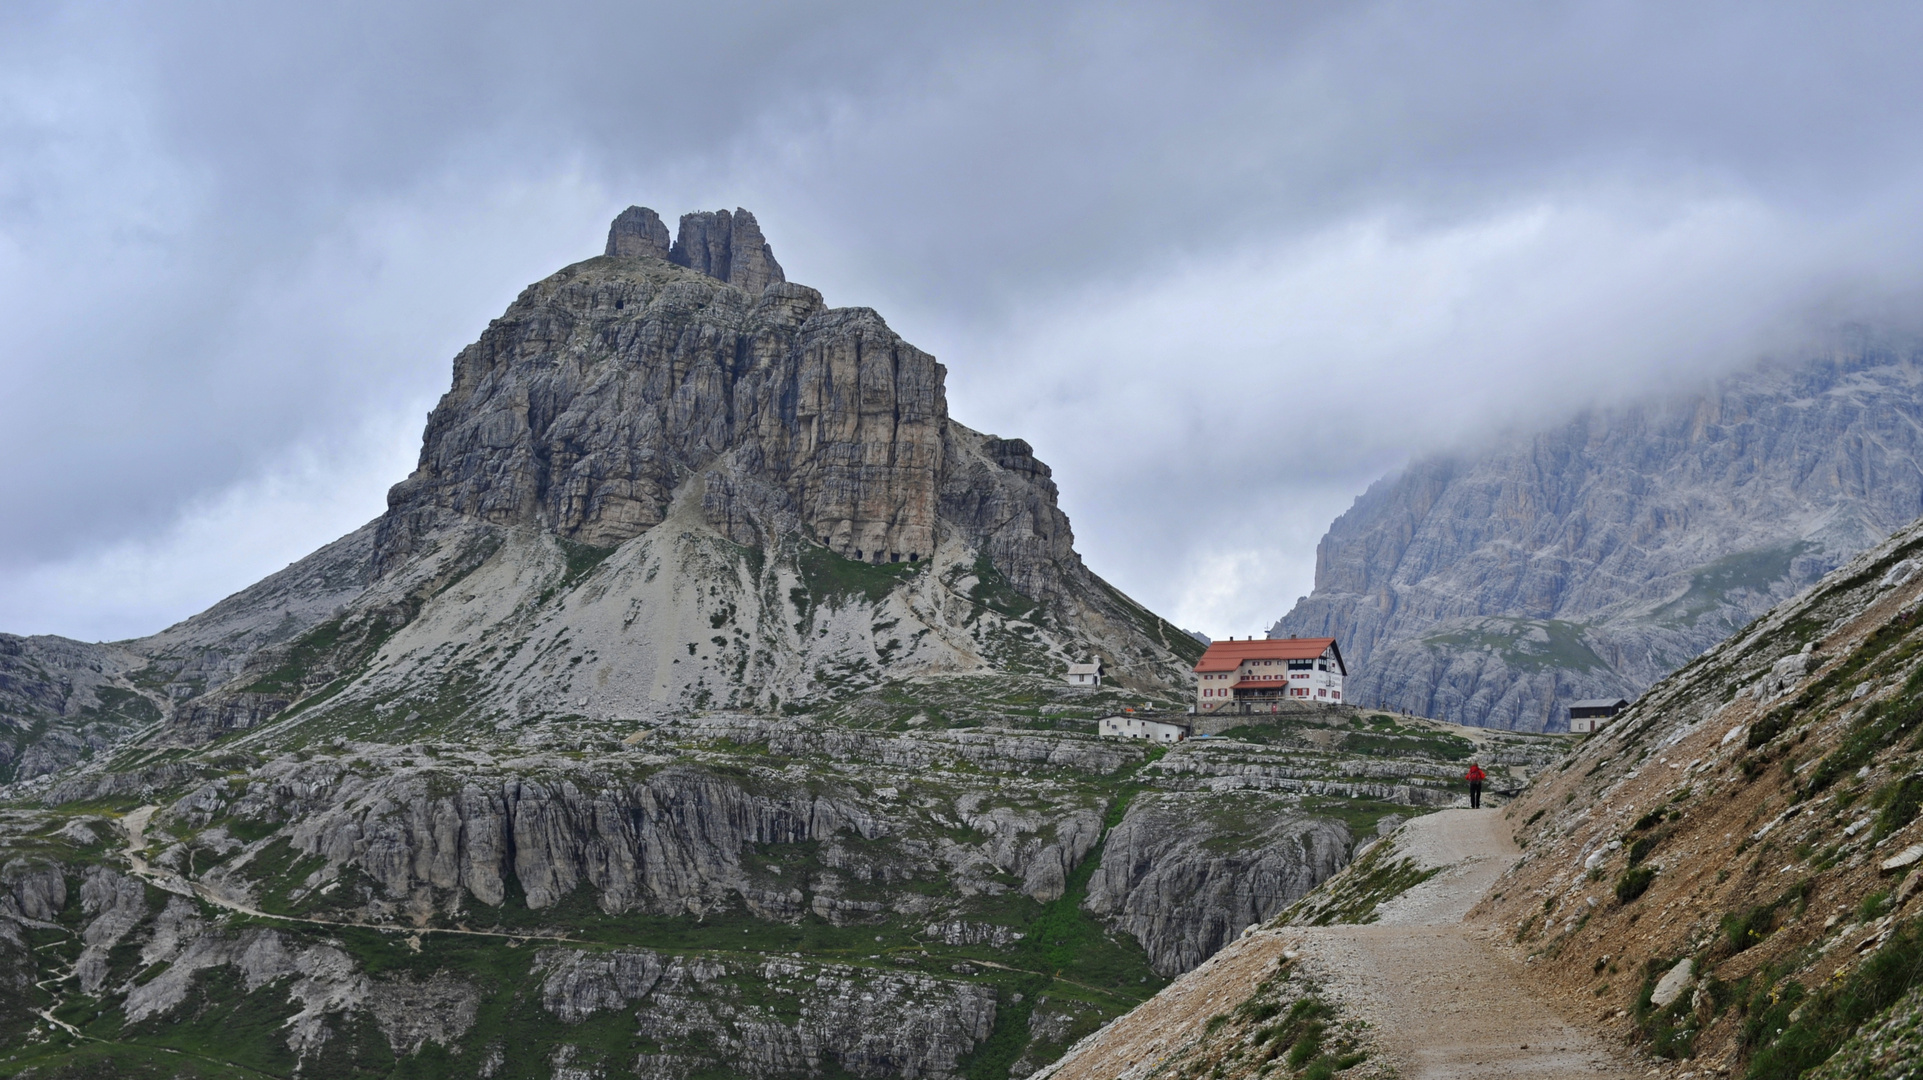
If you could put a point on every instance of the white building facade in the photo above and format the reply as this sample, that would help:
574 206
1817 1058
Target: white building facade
1126 726
1084 674
1264 672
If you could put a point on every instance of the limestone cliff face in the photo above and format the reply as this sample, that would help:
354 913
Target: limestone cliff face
63 701
1165 879
604 388
694 477
607 387
1594 558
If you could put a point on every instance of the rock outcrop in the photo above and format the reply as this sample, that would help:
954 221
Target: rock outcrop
778 1017
1167 879
649 447
603 389
1592 559
62 702
637 232
727 247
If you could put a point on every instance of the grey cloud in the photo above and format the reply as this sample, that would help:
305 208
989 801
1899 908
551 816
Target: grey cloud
230 233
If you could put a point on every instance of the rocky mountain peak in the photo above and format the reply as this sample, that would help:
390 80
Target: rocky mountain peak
637 231
727 247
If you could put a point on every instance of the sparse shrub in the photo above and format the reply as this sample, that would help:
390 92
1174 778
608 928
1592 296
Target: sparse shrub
1640 850
1786 1048
1749 927
1770 726
1633 883
1880 726
1900 800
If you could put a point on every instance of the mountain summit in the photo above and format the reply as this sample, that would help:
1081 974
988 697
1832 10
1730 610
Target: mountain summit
666 478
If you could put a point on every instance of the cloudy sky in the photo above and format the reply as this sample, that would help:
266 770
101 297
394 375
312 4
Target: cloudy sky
1222 264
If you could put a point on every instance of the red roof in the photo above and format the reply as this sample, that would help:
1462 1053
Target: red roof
1261 684
1229 655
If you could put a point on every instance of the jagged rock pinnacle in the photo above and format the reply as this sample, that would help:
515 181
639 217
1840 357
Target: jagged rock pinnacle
728 247
638 231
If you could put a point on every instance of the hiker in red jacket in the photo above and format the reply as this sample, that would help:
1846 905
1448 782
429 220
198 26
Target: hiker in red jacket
1475 777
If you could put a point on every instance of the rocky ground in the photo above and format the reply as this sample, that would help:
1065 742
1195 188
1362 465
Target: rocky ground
891 889
695 709
1400 988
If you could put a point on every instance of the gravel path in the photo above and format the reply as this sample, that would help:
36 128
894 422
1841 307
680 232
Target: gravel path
1444 1003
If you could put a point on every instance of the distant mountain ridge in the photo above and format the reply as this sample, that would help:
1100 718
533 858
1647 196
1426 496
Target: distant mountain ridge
1594 558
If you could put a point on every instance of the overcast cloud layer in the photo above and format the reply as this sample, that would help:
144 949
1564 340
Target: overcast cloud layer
1221 264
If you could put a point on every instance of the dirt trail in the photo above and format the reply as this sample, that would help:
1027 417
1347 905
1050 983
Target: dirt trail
1444 1002
1447 1002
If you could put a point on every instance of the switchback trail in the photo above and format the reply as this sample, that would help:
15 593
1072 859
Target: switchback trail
1444 1002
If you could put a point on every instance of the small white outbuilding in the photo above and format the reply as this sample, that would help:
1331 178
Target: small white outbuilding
1130 726
1085 674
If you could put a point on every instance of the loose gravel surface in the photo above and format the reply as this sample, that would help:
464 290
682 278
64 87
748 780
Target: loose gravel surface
1443 1002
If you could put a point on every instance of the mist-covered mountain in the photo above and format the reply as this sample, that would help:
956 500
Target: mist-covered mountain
1592 559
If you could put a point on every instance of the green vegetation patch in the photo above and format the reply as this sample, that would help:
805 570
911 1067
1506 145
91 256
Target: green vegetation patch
332 648
1711 587
1353 896
581 559
831 579
1525 644
993 590
1790 1030
1422 744
1633 883
1750 926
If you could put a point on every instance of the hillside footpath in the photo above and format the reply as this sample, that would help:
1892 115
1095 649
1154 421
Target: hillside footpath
1418 993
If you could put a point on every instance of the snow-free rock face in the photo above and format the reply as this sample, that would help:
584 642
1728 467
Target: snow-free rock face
62 701
605 387
1592 559
1167 881
666 478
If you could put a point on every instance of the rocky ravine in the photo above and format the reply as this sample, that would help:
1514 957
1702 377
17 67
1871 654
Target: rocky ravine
1595 558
